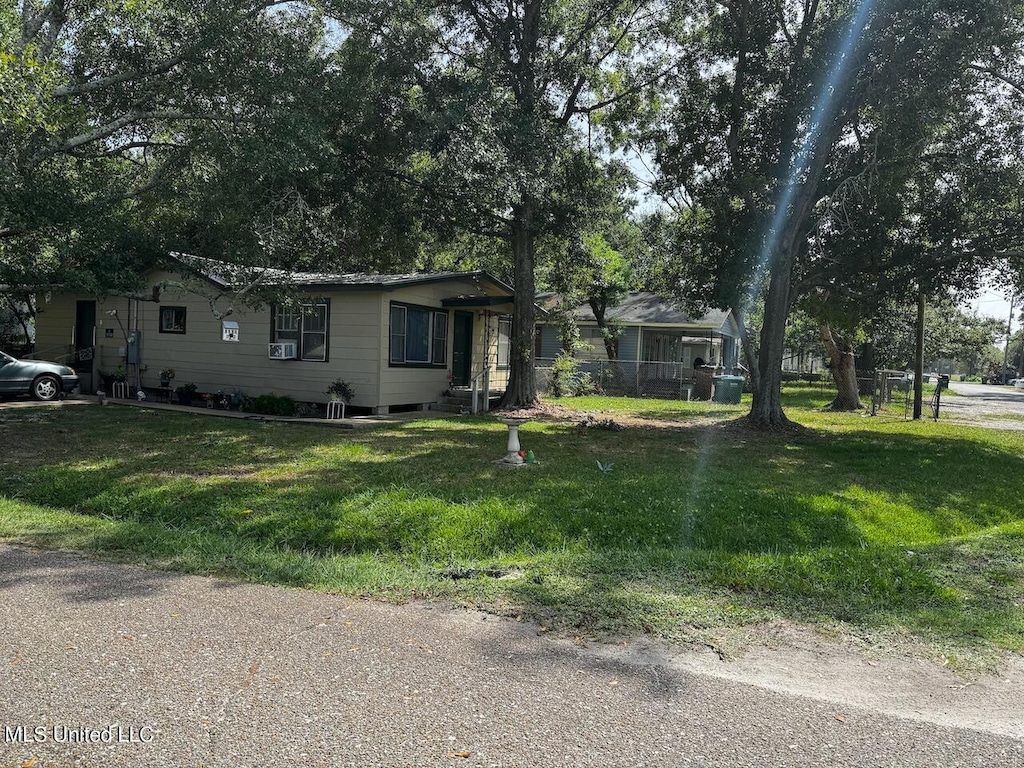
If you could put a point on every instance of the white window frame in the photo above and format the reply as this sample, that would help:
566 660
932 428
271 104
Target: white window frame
289 325
504 352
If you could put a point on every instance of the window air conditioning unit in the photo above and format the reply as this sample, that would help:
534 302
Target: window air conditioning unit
281 350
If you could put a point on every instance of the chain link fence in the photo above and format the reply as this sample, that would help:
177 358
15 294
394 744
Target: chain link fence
658 379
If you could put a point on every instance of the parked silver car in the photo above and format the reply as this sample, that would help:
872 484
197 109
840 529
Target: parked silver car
38 378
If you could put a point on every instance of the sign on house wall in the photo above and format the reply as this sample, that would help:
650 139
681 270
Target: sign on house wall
229 330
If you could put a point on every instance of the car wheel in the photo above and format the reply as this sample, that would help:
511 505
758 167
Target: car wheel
46 387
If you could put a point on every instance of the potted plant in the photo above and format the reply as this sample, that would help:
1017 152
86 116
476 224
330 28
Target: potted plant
340 392
165 377
185 393
108 379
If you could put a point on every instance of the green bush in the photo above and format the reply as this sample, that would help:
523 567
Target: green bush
563 375
567 380
271 405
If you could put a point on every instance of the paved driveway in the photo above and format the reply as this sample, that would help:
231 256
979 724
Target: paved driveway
174 671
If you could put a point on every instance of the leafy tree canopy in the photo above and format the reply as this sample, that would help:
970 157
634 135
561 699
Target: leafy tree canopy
128 128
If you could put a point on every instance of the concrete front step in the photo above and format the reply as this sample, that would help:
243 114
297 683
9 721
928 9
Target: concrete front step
449 408
459 397
461 401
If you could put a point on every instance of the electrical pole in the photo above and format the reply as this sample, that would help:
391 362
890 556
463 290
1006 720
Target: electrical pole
919 355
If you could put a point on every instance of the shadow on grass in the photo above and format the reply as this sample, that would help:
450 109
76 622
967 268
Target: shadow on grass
690 526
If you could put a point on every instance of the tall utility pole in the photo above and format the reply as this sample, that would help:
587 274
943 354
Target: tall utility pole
919 355
1009 332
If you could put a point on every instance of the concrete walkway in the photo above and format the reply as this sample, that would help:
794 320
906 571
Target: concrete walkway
346 423
186 671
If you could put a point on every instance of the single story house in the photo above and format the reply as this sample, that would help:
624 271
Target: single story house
659 346
399 340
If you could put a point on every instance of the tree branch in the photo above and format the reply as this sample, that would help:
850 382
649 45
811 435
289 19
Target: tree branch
1017 85
53 14
470 7
105 131
781 15
620 96
122 77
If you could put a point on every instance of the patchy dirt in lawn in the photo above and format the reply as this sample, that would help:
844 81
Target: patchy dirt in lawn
612 420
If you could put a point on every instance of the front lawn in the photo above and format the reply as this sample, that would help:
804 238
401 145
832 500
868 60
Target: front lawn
878 526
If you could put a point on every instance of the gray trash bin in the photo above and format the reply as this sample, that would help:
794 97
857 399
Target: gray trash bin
728 389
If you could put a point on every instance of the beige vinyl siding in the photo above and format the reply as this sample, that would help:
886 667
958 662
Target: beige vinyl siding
201 356
402 385
358 342
55 320
55 330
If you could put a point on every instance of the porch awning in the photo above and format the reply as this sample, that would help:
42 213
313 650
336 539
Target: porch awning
712 337
477 301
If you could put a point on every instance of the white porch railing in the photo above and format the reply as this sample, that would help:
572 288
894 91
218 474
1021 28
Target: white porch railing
482 378
484 385
63 354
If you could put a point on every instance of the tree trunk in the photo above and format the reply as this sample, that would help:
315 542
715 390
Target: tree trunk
522 382
766 410
747 346
22 317
842 363
611 342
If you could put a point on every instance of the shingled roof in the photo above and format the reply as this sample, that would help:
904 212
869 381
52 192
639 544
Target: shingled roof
226 275
645 308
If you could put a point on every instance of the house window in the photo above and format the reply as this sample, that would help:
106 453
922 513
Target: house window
419 336
314 331
306 326
504 341
440 340
172 319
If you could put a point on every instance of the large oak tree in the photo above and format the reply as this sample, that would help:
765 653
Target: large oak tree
118 120
504 101
791 111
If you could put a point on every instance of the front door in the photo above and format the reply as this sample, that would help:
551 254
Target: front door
462 349
85 341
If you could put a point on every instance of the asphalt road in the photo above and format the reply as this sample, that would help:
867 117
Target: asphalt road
997 406
190 671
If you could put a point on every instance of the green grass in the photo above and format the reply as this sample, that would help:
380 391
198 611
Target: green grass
888 526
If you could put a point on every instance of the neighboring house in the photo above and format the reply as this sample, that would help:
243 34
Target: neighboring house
659 345
796 361
398 340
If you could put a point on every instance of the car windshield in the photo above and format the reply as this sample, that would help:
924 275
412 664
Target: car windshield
5 358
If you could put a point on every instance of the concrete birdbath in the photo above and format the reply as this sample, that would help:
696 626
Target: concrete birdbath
512 449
